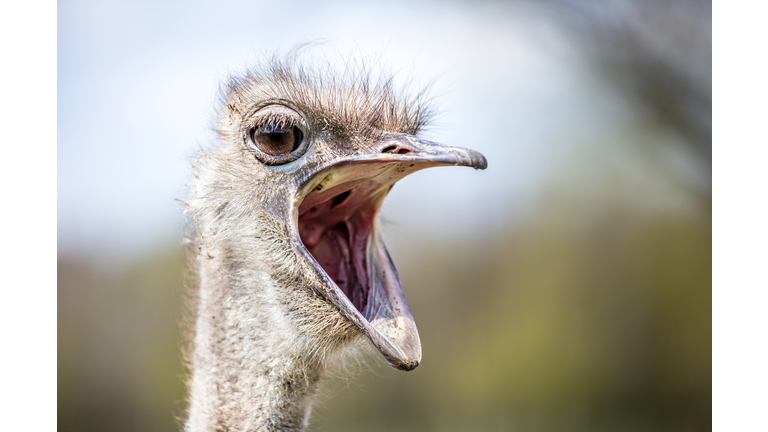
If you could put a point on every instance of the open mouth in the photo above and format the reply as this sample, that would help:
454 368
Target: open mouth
335 227
338 226
335 217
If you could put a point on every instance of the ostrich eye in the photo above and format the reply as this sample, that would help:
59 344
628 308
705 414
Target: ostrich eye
277 141
276 134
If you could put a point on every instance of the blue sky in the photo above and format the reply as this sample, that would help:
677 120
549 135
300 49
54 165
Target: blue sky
137 83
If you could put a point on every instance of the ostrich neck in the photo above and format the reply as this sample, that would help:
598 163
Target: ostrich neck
248 373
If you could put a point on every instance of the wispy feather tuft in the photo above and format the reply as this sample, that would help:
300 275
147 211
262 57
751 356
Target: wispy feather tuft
354 102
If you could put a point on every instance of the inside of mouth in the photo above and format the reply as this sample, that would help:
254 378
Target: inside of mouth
335 226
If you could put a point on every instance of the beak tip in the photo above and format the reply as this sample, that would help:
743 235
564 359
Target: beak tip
478 161
406 366
481 163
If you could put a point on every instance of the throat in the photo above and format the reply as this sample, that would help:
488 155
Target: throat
341 252
336 227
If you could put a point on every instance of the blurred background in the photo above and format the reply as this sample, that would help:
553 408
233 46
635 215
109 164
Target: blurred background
565 288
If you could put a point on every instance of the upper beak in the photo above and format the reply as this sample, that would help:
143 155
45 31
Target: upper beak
428 153
386 320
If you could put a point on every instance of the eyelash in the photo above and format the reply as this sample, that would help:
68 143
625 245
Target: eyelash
274 124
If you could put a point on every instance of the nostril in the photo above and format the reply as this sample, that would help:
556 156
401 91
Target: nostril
395 149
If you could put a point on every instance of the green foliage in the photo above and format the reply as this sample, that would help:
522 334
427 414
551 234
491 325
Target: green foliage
604 325
558 324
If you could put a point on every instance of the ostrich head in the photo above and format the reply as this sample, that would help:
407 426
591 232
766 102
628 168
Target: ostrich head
289 200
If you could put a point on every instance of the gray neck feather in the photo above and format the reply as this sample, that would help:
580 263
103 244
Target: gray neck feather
262 335
246 375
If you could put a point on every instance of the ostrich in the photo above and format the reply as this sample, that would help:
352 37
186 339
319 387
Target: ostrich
285 241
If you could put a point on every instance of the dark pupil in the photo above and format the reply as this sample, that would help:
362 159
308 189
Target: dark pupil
278 143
